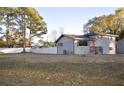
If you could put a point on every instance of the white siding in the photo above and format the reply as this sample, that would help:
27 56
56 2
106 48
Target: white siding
68 45
45 50
113 45
106 43
82 50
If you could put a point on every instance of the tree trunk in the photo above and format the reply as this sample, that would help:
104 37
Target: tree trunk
24 42
24 34
7 41
30 34
7 32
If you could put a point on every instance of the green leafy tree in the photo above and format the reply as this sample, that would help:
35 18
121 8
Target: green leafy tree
21 19
111 24
2 43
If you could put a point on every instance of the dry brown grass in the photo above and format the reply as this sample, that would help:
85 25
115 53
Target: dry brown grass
36 69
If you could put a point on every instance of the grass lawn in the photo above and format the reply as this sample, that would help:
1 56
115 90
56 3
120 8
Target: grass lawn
34 69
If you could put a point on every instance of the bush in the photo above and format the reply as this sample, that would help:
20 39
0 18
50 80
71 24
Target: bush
2 43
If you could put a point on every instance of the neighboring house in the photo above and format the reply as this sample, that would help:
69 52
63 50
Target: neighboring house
85 44
120 46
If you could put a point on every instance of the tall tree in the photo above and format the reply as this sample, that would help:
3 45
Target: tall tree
22 18
31 20
111 24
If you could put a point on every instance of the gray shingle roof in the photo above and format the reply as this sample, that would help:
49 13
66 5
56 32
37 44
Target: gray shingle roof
88 35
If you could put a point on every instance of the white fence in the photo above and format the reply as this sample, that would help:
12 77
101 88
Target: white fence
82 50
45 50
13 50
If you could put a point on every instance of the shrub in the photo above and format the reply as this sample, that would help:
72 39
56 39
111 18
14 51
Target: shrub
2 43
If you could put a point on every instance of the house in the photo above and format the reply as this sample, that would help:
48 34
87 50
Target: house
120 46
96 43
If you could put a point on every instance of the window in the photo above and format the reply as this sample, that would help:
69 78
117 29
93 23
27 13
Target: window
82 43
60 44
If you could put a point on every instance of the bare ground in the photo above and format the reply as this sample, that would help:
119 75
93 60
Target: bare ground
35 69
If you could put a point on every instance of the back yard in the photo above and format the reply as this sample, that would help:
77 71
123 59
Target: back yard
36 69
